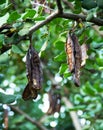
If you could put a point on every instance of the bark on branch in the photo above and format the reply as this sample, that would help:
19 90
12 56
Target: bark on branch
75 17
16 109
73 114
59 5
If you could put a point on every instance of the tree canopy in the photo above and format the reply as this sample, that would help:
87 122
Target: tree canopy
59 103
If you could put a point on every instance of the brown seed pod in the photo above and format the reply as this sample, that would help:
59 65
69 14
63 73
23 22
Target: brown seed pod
33 68
33 74
29 92
70 52
55 102
51 106
78 58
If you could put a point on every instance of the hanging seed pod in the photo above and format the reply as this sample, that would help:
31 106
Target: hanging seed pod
78 58
33 74
51 102
70 52
57 103
33 68
54 100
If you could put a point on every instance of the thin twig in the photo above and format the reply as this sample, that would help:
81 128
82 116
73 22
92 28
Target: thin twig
8 46
59 5
14 4
68 4
73 114
5 119
42 5
16 109
76 17
99 32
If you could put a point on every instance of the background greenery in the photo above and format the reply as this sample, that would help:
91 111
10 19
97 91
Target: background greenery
49 40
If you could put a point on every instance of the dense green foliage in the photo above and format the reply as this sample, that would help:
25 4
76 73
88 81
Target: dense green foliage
49 41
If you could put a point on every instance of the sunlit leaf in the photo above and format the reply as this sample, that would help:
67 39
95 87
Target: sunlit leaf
4 19
29 14
60 57
63 68
14 16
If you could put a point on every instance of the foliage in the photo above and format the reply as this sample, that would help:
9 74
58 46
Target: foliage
17 17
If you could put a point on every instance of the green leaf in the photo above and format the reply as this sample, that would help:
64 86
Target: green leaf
100 3
43 48
89 16
4 19
99 61
29 13
77 6
89 89
63 68
2 1
66 74
2 6
18 120
1 39
25 29
18 25
78 98
16 49
89 4
89 64
6 99
98 86
4 9
101 28
61 57
59 43
14 16
87 99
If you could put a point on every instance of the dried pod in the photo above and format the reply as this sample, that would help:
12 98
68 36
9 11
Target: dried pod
33 74
29 92
33 68
51 102
70 53
78 58
55 102
84 49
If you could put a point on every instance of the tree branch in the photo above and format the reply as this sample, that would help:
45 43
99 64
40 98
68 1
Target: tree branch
42 23
71 16
73 114
68 4
54 15
16 109
6 47
59 5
